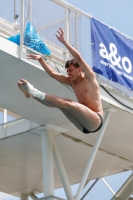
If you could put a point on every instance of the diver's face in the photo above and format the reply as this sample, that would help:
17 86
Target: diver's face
73 72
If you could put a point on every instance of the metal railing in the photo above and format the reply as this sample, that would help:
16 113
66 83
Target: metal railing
47 16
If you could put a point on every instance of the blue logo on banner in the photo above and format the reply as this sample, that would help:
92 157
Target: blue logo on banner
112 54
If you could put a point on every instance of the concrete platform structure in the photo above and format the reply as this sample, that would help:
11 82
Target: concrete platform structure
21 169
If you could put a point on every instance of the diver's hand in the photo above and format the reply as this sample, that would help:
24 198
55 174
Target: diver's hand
33 57
60 35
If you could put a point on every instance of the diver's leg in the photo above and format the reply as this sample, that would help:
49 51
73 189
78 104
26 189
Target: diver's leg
85 116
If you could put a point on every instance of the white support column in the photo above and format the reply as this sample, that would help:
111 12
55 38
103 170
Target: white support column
61 171
24 197
33 196
47 158
108 186
21 27
125 191
93 154
5 116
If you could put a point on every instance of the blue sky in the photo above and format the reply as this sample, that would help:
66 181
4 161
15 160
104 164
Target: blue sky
116 13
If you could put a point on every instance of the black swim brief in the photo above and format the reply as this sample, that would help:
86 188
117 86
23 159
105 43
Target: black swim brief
87 131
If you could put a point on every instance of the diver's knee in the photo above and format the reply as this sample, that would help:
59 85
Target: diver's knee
69 104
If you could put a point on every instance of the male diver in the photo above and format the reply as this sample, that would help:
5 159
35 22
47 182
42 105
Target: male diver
87 113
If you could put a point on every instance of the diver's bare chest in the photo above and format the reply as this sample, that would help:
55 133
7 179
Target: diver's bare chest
82 89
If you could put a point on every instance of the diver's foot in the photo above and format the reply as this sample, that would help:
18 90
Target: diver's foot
29 90
26 88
